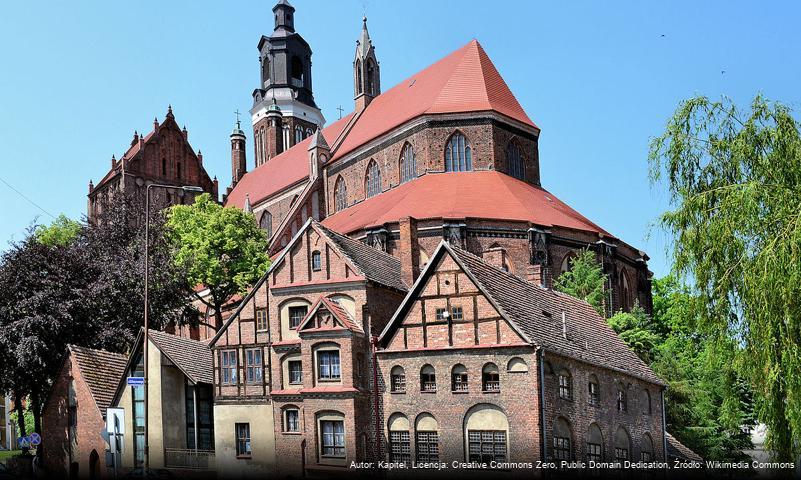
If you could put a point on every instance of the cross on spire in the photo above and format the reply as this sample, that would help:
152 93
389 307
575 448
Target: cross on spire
237 117
340 110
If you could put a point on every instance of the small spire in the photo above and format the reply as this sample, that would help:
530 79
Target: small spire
318 140
169 111
91 185
248 208
155 123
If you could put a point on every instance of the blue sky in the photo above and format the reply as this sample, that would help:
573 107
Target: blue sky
599 78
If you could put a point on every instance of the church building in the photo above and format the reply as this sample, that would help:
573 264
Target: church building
408 313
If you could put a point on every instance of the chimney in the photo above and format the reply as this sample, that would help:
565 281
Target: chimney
534 274
496 256
409 250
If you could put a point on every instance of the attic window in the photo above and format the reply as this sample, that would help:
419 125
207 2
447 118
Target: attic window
547 314
413 82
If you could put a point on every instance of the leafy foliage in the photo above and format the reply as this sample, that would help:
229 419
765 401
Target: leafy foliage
87 291
220 248
734 179
708 403
62 232
584 280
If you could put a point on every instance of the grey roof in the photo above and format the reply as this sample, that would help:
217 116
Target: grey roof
377 266
537 313
677 450
101 370
318 140
192 357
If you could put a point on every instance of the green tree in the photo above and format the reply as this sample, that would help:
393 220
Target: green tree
61 232
734 180
222 249
636 329
585 280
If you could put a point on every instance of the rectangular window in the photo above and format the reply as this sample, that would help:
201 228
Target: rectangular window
457 314
621 401
200 395
296 314
486 445
441 313
646 456
328 363
261 320
398 382
428 382
491 382
460 382
291 420
400 447
253 364
594 397
427 444
621 454
316 261
564 387
243 440
139 425
593 452
295 368
332 440
561 448
228 367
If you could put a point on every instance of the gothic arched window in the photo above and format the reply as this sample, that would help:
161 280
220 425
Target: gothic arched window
371 77
458 156
287 137
340 195
408 164
298 134
358 77
266 223
514 159
372 181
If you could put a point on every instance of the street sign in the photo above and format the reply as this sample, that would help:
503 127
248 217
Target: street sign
24 442
136 381
35 439
115 420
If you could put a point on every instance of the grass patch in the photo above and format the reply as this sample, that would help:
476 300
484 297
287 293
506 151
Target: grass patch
6 454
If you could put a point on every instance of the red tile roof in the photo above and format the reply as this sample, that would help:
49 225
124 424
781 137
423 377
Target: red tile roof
480 194
101 371
464 81
280 171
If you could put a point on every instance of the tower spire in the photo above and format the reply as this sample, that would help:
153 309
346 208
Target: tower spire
366 72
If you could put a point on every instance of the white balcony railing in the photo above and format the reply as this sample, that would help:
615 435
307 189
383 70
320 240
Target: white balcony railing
189 459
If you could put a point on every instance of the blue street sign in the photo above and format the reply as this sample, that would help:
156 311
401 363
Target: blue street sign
136 381
35 439
24 442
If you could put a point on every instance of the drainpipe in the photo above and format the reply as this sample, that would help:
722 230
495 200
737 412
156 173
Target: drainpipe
541 381
374 347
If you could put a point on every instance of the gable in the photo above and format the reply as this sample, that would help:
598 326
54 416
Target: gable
296 265
472 320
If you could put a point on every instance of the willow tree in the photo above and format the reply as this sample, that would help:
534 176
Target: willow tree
734 179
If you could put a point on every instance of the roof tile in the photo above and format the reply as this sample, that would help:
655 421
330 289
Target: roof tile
102 372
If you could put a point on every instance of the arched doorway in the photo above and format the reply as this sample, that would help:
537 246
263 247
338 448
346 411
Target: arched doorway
94 465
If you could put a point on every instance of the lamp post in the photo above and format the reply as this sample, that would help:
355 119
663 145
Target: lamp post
147 306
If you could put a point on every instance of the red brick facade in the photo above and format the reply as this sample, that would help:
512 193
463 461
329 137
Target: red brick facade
73 417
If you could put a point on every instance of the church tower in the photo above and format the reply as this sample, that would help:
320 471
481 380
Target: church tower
285 86
239 165
366 72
